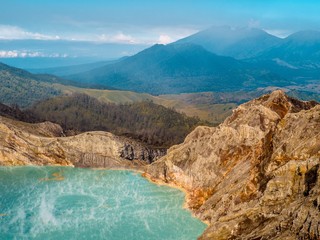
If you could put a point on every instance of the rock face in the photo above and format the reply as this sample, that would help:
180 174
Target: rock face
132 150
45 144
257 175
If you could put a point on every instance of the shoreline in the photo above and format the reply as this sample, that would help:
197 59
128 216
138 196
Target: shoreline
142 173
187 195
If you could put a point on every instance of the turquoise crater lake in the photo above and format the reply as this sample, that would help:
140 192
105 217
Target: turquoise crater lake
73 203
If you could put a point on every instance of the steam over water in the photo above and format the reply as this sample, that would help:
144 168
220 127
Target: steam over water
70 203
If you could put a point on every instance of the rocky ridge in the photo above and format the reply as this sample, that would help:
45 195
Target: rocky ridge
256 176
45 144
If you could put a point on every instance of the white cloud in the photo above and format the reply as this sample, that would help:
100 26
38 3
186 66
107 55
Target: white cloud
120 37
169 35
24 54
162 36
8 54
14 32
116 38
165 39
152 36
9 32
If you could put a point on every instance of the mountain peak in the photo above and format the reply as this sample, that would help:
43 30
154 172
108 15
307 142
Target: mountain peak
234 42
236 31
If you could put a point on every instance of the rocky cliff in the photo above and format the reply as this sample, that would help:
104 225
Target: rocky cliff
45 144
256 176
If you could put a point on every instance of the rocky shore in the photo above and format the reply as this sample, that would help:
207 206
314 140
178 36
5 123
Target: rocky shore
256 176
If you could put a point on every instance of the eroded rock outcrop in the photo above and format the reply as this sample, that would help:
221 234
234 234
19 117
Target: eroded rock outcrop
133 150
45 144
257 175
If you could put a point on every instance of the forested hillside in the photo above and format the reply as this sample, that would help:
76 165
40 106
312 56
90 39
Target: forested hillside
145 121
23 88
14 112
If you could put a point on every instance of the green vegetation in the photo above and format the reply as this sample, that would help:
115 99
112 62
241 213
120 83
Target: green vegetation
108 96
23 88
145 121
210 107
19 87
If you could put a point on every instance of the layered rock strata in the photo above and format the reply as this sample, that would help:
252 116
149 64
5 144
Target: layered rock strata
257 175
45 144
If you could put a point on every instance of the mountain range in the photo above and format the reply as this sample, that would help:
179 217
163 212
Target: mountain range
300 50
179 68
239 43
217 59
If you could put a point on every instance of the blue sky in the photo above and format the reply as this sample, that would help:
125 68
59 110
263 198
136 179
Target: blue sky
145 22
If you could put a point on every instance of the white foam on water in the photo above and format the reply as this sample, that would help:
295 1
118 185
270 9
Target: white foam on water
46 212
92 214
19 219
146 224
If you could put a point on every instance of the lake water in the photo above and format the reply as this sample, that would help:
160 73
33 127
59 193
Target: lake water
73 203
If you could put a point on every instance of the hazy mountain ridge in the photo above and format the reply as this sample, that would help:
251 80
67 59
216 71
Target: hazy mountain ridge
300 50
187 66
179 68
72 69
247 58
239 43
294 58
250 43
